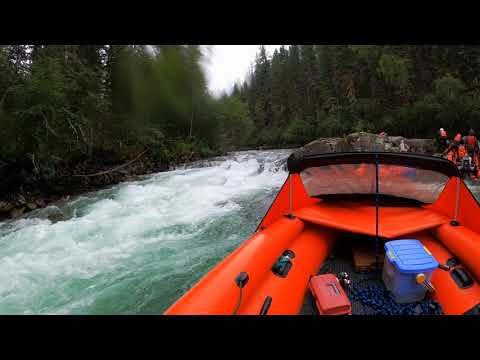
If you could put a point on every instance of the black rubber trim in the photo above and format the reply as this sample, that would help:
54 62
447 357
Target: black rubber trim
452 262
266 305
242 279
283 271
473 311
461 278
297 164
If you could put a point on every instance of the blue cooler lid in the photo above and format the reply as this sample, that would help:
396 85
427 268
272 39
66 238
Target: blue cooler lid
410 256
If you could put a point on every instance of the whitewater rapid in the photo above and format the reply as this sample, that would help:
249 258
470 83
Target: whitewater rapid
136 247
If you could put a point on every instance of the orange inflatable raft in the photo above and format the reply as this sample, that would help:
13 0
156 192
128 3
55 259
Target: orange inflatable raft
329 205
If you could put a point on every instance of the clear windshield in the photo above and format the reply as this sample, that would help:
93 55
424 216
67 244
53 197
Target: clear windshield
400 181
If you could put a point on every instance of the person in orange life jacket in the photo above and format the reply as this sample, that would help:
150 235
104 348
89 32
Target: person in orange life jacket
462 151
442 139
471 143
468 162
453 149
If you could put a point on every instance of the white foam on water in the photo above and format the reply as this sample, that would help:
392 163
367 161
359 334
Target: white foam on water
41 259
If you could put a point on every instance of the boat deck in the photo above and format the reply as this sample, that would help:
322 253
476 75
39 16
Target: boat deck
341 260
393 221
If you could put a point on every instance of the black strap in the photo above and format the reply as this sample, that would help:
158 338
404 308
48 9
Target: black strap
239 302
241 280
266 305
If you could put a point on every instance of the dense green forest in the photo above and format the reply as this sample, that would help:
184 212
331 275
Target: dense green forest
64 105
307 91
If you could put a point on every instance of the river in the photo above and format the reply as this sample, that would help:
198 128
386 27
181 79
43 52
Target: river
136 247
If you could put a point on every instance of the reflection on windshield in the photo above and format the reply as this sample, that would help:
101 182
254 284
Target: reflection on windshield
401 181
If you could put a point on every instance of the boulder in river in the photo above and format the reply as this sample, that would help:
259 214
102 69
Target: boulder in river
31 206
55 217
324 145
17 212
53 213
363 141
40 202
20 199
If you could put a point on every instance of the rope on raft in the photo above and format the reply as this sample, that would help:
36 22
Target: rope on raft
381 302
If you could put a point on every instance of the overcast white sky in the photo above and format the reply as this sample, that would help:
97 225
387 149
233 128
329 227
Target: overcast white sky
230 63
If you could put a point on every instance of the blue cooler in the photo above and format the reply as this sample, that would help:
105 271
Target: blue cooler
404 261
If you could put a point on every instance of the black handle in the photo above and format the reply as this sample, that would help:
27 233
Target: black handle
241 279
266 305
461 278
452 262
444 267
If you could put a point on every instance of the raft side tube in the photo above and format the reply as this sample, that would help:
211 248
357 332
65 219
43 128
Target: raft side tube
454 299
217 293
311 248
462 242
281 205
468 207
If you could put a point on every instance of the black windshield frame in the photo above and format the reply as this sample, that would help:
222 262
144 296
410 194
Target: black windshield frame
297 164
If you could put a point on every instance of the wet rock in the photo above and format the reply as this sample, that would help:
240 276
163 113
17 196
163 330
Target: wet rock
40 202
322 145
426 146
20 199
31 206
395 140
342 145
56 216
362 141
366 142
5 206
17 212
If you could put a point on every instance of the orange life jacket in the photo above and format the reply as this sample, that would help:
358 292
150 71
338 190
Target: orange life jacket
452 156
471 140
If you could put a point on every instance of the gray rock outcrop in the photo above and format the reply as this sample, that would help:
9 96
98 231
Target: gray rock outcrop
368 142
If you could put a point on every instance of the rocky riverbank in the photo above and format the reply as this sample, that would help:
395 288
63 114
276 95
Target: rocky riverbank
86 176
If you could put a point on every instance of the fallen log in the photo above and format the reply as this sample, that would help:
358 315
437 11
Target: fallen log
115 168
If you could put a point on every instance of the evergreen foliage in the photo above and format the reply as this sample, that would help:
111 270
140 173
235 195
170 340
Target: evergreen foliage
308 91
